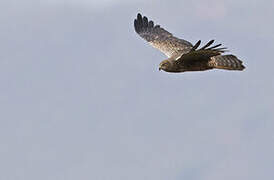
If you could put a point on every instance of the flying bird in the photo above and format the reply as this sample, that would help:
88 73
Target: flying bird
182 55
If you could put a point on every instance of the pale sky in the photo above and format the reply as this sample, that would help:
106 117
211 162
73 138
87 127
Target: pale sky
82 98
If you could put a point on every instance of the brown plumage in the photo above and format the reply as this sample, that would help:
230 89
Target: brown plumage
182 55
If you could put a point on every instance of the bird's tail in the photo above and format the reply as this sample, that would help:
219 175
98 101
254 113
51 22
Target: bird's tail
228 62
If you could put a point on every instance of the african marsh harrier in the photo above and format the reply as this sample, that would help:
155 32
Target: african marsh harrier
182 55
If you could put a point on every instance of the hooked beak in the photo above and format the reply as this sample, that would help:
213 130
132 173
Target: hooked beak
160 68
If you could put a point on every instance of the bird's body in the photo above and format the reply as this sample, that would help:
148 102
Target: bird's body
182 55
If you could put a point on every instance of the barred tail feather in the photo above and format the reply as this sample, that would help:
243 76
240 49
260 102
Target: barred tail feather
228 62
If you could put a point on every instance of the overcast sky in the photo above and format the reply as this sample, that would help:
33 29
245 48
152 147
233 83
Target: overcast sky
81 96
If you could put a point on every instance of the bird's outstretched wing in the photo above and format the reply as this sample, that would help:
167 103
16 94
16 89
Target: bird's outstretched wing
159 37
202 54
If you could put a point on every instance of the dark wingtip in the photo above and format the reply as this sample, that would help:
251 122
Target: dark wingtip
215 46
142 22
221 50
208 44
139 16
138 23
145 21
150 24
196 45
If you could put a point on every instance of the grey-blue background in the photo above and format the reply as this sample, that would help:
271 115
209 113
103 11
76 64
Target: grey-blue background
81 96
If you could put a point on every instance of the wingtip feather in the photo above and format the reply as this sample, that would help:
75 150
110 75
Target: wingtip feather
145 21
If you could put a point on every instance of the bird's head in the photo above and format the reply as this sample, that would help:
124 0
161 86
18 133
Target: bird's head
165 65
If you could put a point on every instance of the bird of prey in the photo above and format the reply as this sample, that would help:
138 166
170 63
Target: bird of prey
182 55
